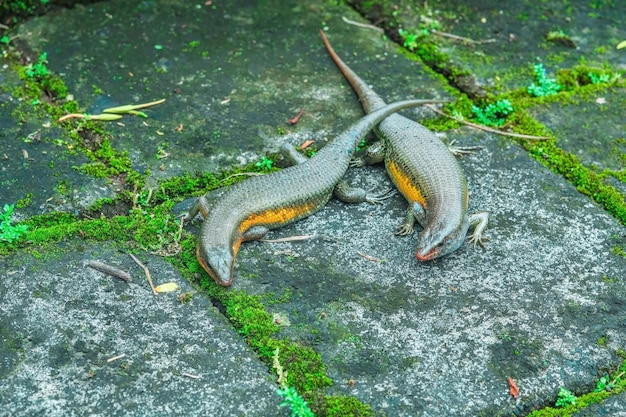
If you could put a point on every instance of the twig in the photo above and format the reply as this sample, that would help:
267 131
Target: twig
104 117
3 26
459 38
248 174
190 375
362 25
289 239
114 358
485 128
110 270
368 257
147 272
617 377
132 107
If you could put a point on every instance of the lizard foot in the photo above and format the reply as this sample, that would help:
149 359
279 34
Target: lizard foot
379 198
404 230
459 151
356 162
477 240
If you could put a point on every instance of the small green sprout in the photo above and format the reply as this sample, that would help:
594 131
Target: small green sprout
291 398
410 39
605 383
598 78
265 164
9 232
565 398
494 114
5 40
545 86
38 69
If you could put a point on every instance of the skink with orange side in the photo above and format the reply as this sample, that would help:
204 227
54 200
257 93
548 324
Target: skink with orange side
247 210
425 172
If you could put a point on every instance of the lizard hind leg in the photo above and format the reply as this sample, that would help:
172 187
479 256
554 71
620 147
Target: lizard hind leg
415 212
349 194
292 155
201 205
374 154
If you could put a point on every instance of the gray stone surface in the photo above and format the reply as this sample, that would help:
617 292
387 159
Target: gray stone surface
441 338
63 322
408 338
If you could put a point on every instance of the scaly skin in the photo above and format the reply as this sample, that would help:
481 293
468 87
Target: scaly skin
247 210
424 171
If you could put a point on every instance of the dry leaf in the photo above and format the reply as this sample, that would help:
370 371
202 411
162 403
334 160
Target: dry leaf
306 144
513 390
168 287
295 119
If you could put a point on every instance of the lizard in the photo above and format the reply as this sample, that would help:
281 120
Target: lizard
425 172
249 209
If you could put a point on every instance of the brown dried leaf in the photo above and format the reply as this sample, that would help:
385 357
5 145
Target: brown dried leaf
513 389
306 144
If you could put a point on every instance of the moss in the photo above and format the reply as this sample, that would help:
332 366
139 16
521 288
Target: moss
24 202
339 406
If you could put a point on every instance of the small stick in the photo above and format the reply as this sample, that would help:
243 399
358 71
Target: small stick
247 174
3 26
485 128
617 377
105 117
131 107
147 272
110 270
289 239
368 257
362 25
459 38
114 358
190 375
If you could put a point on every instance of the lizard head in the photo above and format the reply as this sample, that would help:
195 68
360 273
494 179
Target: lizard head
218 262
440 239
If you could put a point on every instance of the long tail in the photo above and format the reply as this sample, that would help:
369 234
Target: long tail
369 99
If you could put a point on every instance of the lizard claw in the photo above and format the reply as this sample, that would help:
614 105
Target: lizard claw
379 198
462 150
404 229
477 239
356 163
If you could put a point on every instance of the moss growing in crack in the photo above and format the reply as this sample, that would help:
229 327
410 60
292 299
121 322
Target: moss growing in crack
198 184
304 367
584 179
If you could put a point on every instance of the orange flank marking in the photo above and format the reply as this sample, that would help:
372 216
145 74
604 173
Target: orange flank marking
276 217
404 184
